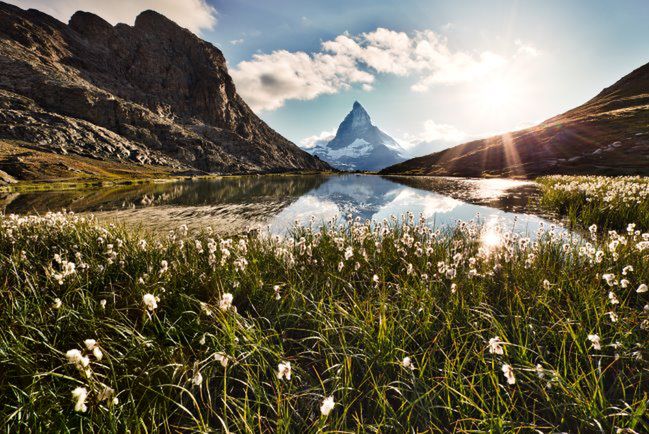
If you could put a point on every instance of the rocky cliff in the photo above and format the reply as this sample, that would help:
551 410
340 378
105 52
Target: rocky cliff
149 94
608 135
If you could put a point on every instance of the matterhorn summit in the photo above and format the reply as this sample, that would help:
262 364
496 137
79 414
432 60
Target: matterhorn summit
360 145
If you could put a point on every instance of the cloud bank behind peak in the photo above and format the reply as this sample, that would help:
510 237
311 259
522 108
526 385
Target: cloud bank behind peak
268 80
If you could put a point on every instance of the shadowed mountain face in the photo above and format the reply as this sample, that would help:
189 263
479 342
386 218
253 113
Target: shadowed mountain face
359 145
148 94
608 135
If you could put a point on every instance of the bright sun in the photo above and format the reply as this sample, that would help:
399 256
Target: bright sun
496 94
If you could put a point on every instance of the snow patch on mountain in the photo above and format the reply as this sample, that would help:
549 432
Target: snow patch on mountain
357 148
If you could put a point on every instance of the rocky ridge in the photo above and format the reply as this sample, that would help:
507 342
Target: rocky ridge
148 94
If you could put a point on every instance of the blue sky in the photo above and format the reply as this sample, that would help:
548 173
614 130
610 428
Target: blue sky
431 71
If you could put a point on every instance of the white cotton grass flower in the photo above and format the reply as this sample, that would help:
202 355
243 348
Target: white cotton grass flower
642 288
327 405
540 371
222 359
80 394
205 308
164 266
226 301
284 370
106 394
625 431
612 316
76 358
495 345
276 289
407 363
150 302
57 304
102 303
197 379
595 341
609 278
91 345
613 298
508 372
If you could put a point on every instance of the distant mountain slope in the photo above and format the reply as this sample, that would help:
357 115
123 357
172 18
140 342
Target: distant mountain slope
607 135
360 145
148 94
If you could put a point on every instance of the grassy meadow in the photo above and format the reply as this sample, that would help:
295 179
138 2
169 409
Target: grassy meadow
608 202
394 327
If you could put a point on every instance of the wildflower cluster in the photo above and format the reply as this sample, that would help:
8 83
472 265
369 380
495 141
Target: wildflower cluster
609 202
389 326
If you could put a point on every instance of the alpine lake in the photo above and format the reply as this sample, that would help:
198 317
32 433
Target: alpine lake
275 203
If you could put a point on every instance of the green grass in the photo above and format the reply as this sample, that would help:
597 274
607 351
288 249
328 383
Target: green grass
608 202
345 332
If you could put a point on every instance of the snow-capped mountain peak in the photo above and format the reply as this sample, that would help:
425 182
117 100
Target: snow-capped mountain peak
359 144
358 116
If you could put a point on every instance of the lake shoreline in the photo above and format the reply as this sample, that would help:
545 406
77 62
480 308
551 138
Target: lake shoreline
277 200
30 186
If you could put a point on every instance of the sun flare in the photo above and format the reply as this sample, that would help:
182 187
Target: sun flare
497 93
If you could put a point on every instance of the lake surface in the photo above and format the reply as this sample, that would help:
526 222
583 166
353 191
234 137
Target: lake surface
276 202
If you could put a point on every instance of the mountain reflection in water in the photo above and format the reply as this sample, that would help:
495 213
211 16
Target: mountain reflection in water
236 204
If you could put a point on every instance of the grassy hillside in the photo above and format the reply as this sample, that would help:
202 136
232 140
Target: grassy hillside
21 161
608 135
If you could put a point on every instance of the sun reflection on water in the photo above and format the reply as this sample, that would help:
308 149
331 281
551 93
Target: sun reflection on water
494 188
491 237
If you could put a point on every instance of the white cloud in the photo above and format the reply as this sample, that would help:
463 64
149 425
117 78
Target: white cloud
237 41
268 80
196 15
432 138
318 139
458 68
435 131
436 137
524 49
